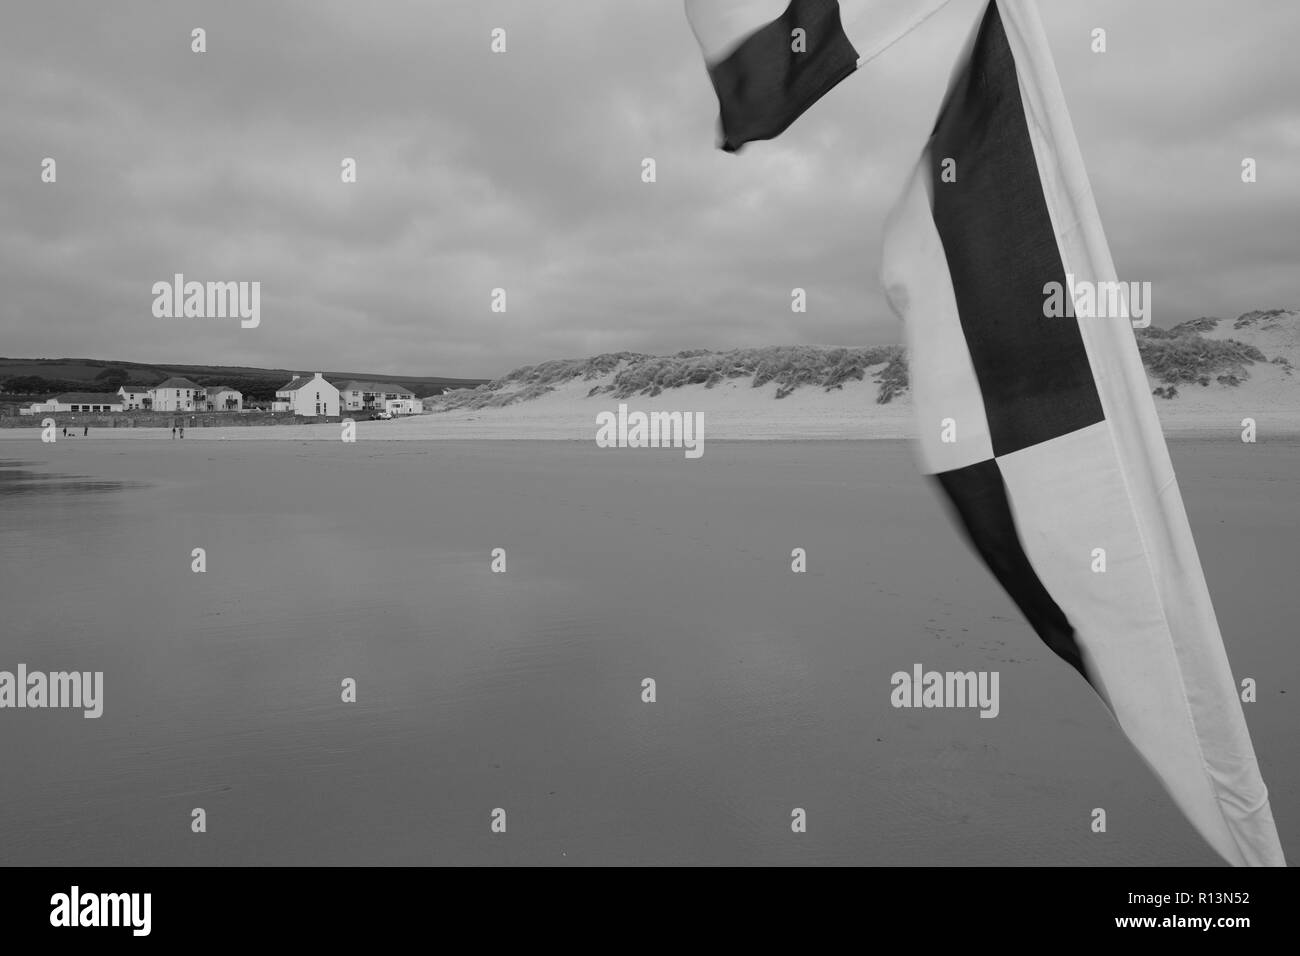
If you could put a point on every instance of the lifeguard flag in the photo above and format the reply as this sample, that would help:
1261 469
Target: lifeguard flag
1041 431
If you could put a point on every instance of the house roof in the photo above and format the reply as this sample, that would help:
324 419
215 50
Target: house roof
134 389
176 382
375 387
299 381
88 398
213 389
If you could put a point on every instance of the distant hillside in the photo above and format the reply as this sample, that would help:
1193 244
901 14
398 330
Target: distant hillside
1260 348
24 379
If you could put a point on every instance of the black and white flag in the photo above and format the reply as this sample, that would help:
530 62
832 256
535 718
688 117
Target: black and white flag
1038 423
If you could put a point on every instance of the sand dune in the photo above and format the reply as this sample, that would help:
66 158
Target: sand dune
857 393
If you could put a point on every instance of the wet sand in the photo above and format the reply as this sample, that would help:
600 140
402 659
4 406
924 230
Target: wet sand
522 690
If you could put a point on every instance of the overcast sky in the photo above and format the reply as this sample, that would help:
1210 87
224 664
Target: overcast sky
478 170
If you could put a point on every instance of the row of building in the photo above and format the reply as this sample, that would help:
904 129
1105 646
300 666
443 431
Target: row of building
316 396
308 396
173 395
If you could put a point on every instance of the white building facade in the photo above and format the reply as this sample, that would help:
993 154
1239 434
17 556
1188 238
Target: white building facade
133 396
222 398
176 395
307 396
76 402
379 397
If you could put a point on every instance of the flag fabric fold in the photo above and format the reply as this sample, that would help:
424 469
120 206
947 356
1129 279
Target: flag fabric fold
770 60
1041 431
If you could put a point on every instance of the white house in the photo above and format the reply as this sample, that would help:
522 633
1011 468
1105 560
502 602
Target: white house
77 402
223 398
307 396
379 396
176 395
404 406
133 396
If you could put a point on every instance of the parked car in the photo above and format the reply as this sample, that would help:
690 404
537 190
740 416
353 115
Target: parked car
384 416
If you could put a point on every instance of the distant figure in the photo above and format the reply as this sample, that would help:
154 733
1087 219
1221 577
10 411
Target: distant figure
173 431
182 431
86 432
65 431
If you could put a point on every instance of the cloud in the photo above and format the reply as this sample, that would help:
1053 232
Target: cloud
523 171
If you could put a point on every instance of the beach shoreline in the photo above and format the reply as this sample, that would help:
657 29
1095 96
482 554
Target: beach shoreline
731 412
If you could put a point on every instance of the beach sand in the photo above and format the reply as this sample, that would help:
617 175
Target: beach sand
523 690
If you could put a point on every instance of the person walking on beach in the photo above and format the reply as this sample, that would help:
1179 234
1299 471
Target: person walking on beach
173 431
86 432
65 431
182 431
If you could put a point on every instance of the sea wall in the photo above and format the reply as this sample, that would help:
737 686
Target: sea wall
143 419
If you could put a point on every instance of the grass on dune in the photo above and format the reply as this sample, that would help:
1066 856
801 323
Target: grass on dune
788 367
